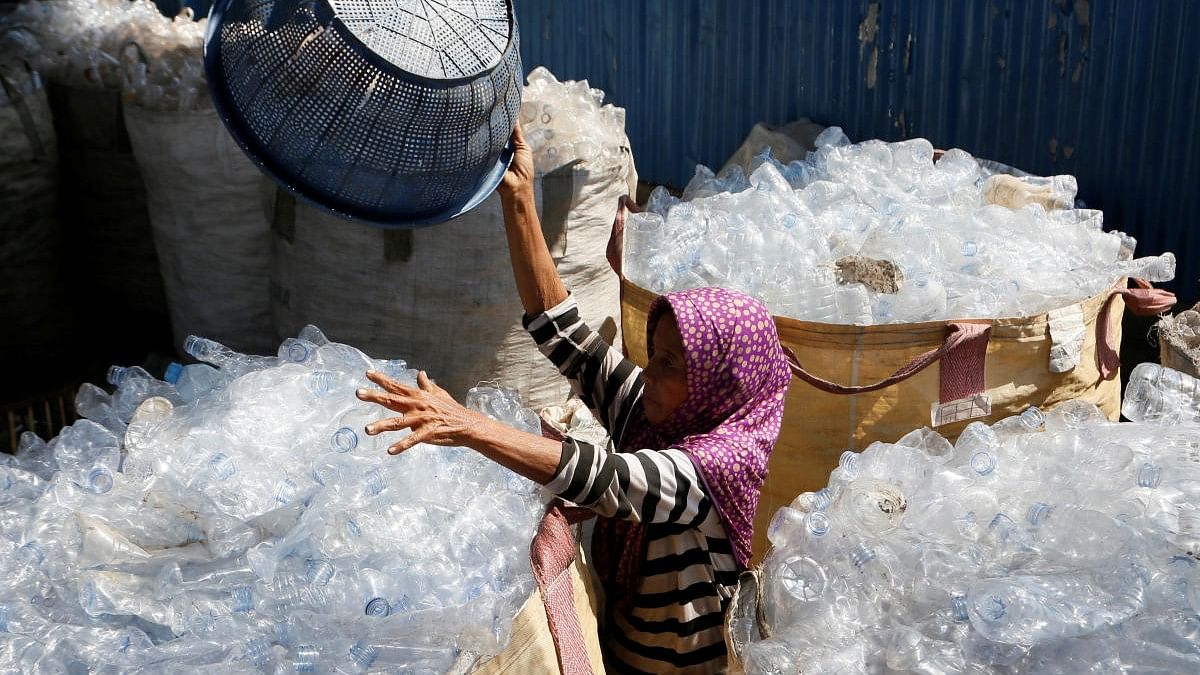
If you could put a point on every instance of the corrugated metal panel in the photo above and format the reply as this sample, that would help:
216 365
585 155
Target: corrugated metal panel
1107 90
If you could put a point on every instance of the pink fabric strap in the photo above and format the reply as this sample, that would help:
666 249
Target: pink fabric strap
963 370
963 355
551 554
1145 300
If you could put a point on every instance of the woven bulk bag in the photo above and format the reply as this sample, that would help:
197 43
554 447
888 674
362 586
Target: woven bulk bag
861 384
445 296
30 238
212 239
106 224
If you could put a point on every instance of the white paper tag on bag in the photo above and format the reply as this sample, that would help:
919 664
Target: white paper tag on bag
1067 329
976 405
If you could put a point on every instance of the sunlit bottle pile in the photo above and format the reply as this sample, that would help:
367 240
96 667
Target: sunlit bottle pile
567 122
237 516
1045 543
967 244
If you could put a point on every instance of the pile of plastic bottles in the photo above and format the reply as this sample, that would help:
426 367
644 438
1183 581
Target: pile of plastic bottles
1045 543
968 244
566 122
237 516
114 44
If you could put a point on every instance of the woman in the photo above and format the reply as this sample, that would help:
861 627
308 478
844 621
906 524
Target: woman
694 431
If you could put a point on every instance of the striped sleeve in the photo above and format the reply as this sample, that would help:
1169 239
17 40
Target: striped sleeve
650 486
606 381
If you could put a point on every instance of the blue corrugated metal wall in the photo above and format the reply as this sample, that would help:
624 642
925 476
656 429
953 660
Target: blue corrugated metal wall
1107 90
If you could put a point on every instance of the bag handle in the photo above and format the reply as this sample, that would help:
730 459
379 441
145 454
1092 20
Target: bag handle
551 553
1145 300
616 239
963 354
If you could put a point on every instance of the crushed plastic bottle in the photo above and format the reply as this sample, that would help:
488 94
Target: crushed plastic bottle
1159 395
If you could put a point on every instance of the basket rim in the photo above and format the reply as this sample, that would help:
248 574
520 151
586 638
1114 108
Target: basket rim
325 14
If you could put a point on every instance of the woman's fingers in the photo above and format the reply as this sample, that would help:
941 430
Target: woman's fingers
408 442
422 410
426 384
388 383
395 402
393 424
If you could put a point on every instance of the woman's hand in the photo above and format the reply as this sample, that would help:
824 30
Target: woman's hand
435 417
518 180
428 410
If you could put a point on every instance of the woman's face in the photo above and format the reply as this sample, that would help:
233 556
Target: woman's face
665 376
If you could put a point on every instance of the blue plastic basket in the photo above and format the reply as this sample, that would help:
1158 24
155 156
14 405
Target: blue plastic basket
391 112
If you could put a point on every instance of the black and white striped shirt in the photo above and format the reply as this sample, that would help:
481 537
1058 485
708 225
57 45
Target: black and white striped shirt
689 573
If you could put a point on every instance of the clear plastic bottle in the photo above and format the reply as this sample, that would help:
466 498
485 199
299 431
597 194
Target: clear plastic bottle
350 435
1158 395
194 380
35 455
233 364
135 385
1030 610
96 404
1029 421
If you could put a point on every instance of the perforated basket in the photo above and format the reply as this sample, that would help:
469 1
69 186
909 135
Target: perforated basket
391 112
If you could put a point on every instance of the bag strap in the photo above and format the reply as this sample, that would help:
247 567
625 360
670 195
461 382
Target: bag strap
963 354
553 550
616 239
1145 300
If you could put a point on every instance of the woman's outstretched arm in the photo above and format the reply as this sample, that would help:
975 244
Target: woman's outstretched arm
649 485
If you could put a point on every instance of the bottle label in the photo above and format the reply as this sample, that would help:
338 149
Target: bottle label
975 405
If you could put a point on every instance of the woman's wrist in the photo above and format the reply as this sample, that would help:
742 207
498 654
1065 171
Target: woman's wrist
482 433
517 196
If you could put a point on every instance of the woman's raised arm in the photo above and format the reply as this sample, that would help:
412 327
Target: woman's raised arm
537 278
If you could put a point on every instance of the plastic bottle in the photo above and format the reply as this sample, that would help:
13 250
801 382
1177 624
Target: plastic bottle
194 380
232 363
1158 395
1029 610
96 404
135 385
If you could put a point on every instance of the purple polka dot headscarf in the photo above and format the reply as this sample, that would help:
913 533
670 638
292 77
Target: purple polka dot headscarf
737 377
